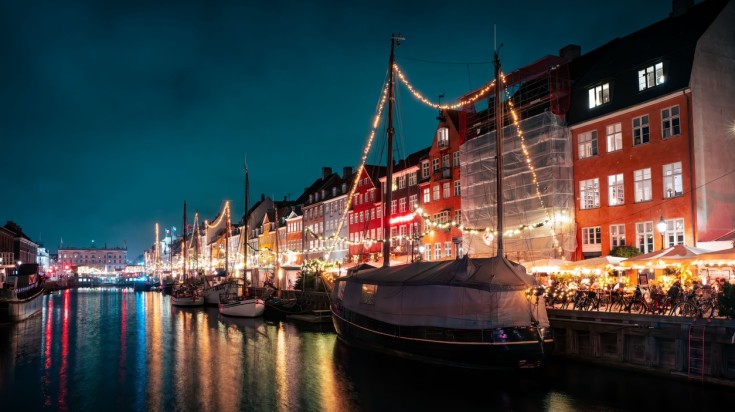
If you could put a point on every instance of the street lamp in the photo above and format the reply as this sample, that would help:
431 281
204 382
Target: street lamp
661 225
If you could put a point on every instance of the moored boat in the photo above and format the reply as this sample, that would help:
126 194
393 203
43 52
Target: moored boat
187 295
236 301
21 295
472 313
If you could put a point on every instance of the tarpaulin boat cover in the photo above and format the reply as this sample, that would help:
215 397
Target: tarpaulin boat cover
464 294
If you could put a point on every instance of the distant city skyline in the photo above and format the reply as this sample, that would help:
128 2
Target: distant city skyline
114 115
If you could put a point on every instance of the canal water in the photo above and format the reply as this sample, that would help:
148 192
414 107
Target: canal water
110 349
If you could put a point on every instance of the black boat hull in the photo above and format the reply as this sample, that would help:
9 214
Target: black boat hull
444 347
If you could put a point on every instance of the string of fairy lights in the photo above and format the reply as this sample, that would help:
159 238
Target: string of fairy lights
430 224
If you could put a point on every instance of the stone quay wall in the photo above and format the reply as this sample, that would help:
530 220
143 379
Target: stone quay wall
661 345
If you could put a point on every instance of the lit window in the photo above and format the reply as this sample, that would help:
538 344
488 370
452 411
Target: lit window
599 95
674 234
589 191
650 76
615 190
642 185
614 137
673 183
617 236
591 236
644 236
442 137
587 144
457 188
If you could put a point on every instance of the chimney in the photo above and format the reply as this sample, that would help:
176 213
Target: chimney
679 7
346 172
326 171
262 197
570 52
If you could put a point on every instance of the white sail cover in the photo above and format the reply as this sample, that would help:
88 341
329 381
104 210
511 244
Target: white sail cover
467 293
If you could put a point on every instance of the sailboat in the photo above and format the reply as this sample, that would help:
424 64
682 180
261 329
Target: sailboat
188 293
236 300
468 313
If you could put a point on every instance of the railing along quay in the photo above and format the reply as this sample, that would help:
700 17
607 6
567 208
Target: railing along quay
696 349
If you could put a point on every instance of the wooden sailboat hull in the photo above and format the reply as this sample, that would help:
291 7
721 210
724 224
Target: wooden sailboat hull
523 348
213 295
187 301
246 308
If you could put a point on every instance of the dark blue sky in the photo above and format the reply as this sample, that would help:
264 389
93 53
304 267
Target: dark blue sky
113 113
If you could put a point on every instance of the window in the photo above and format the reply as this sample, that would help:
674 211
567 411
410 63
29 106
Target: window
442 137
425 169
599 95
427 252
670 122
427 195
368 294
455 159
437 251
402 181
644 236
413 202
457 188
458 217
642 184
434 164
447 249
617 236
412 179
393 205
651 76
441 217
587 144
673 184
591 236
614 137
445 162
447 190
640 130
615 190
589 193
437 194
674 234
402 204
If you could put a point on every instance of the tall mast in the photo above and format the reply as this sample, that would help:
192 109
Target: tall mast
247 223
499 151
227 239
276 265
389 171
195 233
183 242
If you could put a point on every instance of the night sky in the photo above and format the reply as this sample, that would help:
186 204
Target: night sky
113 113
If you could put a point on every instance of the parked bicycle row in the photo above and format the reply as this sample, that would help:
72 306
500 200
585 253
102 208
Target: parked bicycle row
694 301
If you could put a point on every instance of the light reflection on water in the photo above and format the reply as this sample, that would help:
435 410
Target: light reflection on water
114 349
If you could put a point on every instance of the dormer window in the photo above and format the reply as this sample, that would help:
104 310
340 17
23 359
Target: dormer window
651 76
599 95
442 137
334 191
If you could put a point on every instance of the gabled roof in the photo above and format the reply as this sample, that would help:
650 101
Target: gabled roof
375 172
672 41
414 159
